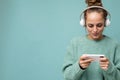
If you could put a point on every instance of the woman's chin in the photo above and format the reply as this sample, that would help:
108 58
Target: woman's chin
96 37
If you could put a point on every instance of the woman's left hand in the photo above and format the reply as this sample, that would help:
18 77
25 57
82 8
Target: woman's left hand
104 63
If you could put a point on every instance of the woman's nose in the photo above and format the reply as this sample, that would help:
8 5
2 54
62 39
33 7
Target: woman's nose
94 28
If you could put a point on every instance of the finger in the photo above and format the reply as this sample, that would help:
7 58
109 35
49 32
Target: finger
104 68
103 59
84 57
87 61
104 64
84 65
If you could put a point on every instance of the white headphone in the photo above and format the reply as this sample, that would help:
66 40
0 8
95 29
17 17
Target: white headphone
82 21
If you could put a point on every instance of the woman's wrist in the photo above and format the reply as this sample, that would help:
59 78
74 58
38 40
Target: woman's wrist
81 67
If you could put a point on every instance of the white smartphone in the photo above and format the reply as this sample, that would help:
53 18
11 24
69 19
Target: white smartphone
95 57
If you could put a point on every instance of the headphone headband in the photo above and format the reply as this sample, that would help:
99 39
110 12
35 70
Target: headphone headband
99 7
95 7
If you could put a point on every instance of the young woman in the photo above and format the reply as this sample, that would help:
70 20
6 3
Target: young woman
77 65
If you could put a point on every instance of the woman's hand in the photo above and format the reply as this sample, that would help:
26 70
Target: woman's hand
84 61
104 63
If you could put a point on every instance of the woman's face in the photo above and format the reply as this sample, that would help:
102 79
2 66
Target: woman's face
95 25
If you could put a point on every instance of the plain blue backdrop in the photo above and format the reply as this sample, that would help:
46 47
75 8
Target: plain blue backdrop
34 35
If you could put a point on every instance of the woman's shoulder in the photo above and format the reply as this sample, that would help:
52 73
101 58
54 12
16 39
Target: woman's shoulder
111 40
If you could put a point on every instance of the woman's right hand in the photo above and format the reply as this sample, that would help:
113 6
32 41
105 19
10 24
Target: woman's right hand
84 61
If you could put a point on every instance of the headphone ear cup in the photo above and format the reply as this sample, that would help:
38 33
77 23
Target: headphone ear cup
107 23
82 22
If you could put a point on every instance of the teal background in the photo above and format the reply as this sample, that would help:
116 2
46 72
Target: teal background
34 35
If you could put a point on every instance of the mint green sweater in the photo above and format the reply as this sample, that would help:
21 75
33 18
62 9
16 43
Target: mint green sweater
82 45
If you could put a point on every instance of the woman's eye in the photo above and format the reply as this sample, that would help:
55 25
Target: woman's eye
90 25
99 25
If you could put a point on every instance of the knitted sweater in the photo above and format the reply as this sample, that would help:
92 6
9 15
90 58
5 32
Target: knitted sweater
82 45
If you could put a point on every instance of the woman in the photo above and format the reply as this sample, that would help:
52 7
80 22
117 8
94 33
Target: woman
78 66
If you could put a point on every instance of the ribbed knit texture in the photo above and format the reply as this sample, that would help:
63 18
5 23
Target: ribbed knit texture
83 45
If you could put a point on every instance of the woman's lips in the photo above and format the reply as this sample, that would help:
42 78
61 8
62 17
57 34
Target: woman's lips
95 34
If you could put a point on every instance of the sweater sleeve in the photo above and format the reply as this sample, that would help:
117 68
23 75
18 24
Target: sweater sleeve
71 69
113 72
